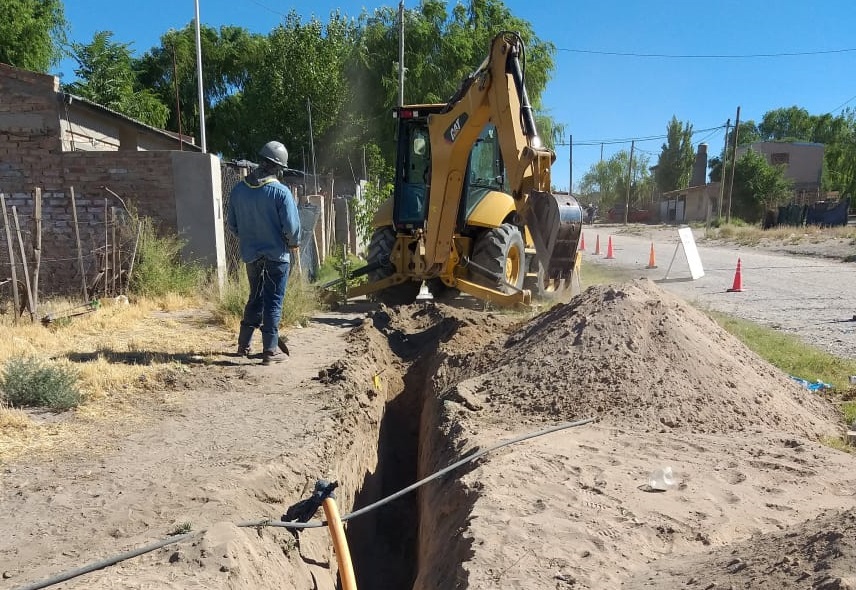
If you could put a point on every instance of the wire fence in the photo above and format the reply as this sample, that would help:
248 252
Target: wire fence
99 259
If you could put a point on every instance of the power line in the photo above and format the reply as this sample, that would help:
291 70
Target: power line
707 56
638 139
844 104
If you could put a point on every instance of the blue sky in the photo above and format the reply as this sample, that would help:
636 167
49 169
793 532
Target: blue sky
601 97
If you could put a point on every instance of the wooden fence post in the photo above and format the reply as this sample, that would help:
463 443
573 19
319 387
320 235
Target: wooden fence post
17 299
24 265
117 268
37 244
106 246
79 249
133 256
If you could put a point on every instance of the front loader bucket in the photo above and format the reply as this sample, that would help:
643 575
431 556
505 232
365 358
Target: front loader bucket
555 223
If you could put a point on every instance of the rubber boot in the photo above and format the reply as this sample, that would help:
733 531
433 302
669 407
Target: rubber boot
245 336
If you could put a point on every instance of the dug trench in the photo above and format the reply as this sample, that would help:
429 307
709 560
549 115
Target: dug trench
754 482
420 387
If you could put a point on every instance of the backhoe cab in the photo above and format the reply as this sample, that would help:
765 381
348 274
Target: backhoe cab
472 209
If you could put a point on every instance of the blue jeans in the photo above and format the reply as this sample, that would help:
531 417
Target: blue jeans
268 280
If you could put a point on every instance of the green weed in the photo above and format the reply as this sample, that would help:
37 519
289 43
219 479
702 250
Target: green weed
159 269
789 353
29 382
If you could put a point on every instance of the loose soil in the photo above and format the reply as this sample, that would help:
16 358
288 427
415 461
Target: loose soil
377 398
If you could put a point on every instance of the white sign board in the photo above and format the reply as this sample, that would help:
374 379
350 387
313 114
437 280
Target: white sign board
688 241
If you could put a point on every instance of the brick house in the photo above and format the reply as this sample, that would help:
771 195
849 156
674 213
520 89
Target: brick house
56 141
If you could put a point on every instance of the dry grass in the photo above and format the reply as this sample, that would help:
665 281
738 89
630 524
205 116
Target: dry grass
752 235
123 355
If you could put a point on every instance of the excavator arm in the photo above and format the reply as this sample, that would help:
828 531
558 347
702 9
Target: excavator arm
495 93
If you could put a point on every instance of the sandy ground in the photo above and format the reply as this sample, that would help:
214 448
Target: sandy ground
574 509
376 398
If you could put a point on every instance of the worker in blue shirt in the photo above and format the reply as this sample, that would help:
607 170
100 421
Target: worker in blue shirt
263 215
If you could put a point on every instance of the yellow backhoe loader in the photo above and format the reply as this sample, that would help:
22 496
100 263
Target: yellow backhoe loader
472 209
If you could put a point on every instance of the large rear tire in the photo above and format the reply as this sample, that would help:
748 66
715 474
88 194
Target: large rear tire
380 250
501 252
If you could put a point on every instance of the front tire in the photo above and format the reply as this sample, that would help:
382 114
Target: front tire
380 250
501 252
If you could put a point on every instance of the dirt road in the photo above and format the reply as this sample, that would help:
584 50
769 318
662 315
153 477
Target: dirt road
811 297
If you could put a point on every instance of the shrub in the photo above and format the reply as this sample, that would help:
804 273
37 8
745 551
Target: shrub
159 269
29 382
299 304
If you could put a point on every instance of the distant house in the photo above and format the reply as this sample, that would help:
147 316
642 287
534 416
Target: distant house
694 203
803 165
88 126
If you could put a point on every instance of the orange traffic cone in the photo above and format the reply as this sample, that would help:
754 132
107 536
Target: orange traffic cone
582 247
651 263
597 246
609 253
737 287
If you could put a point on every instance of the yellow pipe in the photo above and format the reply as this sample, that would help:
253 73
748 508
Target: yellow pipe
340 544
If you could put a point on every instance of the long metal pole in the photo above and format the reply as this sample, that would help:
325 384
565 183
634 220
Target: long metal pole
203 143
401 53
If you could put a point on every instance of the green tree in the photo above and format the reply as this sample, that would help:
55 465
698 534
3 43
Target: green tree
675 164
228 54
441 49
105 76
758 186
837 133
32 33
787 124
606 181
300 70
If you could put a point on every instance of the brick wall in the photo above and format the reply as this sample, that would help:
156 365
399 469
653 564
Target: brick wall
31 156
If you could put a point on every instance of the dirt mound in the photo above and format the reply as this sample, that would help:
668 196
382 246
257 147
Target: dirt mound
816 554
643 359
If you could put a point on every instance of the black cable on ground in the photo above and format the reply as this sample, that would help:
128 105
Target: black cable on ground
97 565
298 525
421 482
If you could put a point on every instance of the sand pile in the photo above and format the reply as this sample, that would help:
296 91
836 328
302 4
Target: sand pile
818 553
643 359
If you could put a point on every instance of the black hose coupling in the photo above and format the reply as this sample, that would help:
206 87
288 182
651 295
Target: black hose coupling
304 510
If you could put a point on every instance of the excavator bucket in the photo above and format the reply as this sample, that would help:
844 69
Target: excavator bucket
555 223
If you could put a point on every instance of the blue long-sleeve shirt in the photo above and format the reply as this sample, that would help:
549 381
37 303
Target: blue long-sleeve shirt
264 218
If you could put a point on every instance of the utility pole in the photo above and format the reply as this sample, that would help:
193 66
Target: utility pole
722 174
312 144
571 165
202 143
629 182
733 165
177 101
401 53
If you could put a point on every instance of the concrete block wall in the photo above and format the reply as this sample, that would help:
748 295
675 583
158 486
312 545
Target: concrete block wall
143 180
31 156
